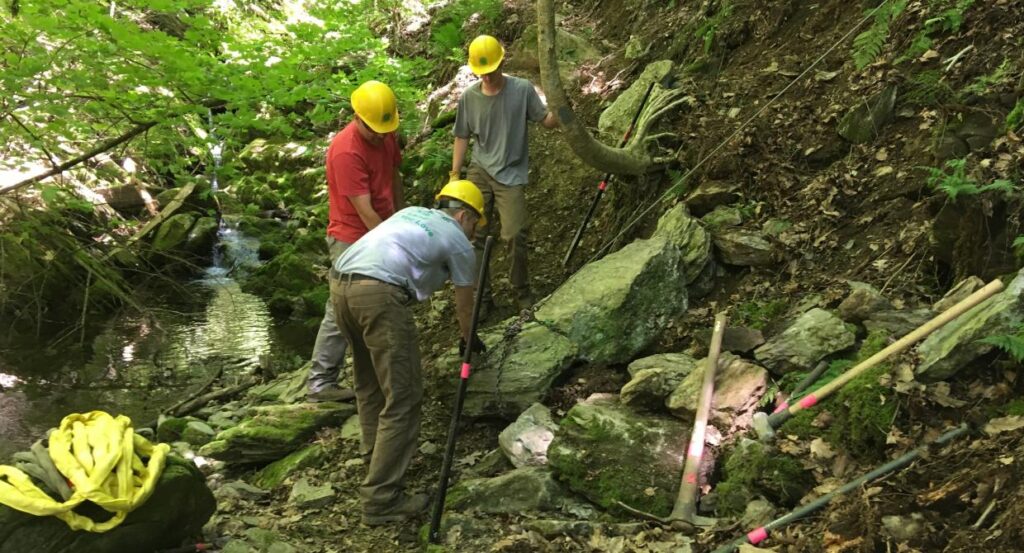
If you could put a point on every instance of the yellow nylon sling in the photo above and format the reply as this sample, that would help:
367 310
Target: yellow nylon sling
100 456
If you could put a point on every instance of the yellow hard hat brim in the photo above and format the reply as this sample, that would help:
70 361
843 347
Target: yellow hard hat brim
384 128
479 70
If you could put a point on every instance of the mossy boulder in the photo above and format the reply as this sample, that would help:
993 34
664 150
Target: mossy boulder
710 194
272 475
956 344
608 453
739 385
169 429
525 442
654 378
515 373
274 431
753 469
615 120
527 489
179 507
172 234
202 236
615 307
812 337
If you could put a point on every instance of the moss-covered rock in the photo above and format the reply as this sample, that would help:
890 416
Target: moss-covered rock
754 469
616 119
274 431
516 373
172 234
527 489
608 453
170 429
863 123
525 442
812 337
615 307
179 507
202 236
739 385
955 345
273 474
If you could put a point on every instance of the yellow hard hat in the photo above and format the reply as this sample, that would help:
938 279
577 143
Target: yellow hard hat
375 103
485 54
466 192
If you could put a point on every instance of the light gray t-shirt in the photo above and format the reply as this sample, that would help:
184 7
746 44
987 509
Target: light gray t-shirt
497 125
416 248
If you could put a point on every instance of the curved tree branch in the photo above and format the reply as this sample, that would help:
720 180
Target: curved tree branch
630 161
108 145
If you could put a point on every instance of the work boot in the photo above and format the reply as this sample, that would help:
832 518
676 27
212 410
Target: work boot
332 393
410 506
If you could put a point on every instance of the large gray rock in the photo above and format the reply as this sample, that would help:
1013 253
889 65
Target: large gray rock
669 361
615 120
958 293
864 123
898 322
306 495
956 344
274 431
517 373
615 307
723 216
650 386
739 385
179 507
523 490
711 194
525 442
864 301
746 248
608 453
812 337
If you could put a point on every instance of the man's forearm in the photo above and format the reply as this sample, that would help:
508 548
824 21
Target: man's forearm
459 153
550 121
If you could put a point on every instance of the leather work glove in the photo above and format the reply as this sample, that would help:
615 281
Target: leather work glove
477 345
454 175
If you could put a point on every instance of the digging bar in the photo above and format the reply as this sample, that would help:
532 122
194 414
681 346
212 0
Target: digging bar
760 534
453 430
604 181
685 507
765 425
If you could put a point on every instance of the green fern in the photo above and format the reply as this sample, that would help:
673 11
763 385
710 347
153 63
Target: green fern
1000 185
928 89
1016 116
1013 344
949 20
984 83
868 45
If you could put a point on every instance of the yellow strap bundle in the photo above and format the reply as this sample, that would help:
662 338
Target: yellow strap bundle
100 457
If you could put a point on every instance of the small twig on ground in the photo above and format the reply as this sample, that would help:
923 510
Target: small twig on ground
202 389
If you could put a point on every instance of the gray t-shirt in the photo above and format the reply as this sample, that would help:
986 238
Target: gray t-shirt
497 125
416 248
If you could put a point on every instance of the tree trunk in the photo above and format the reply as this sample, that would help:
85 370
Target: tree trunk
586 147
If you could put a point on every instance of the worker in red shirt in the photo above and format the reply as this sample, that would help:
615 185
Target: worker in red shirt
364 187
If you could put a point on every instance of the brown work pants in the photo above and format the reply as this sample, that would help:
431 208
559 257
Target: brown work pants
510 202
376 321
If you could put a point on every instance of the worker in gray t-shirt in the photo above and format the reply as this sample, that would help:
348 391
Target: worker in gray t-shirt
493 112
402 260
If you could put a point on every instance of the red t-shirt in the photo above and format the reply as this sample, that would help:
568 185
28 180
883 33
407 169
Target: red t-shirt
354 168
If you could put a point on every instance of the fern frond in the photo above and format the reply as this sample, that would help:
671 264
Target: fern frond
1000 185
868 45
1013 344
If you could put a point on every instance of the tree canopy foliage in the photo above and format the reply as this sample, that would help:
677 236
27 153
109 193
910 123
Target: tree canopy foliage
79 72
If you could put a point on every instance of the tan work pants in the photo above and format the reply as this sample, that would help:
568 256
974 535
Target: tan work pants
376 321
510 202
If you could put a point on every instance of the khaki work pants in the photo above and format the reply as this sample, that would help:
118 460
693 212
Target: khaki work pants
375 319
510 202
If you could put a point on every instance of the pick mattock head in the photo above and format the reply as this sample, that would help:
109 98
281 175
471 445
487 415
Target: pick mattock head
763 427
